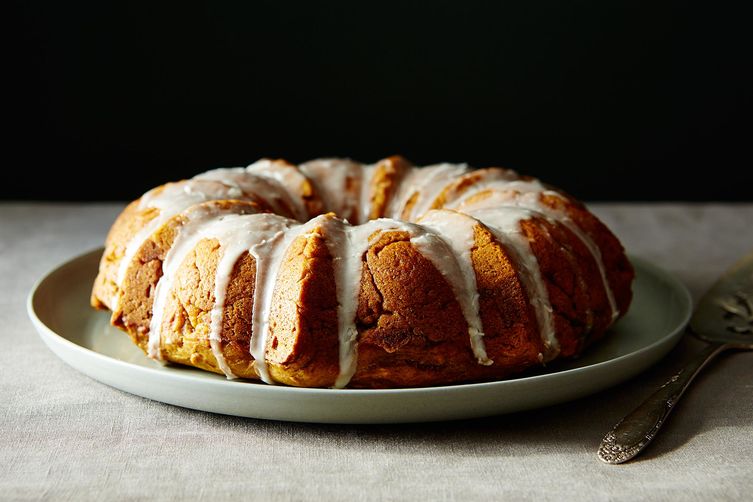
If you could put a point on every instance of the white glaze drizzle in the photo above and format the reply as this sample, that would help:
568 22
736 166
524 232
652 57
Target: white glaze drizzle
405 188
428 182
457 231
169 200
187 236
356 241
527 194
236 234
269 254
436 179
289 178
347 254
366 193
498 189
504 223
265 188
338 181
353 242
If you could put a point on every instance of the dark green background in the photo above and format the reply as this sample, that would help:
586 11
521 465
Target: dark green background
610 100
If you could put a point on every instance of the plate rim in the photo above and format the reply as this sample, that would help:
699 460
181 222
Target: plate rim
49 335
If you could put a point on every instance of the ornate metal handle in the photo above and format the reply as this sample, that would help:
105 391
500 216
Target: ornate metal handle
631 435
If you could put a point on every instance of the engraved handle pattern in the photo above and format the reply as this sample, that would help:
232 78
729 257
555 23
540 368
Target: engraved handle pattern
636 430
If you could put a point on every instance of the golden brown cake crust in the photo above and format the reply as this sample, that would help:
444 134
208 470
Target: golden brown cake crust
388 175
411 328
135 295
302 348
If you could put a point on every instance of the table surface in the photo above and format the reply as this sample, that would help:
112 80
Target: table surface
65 436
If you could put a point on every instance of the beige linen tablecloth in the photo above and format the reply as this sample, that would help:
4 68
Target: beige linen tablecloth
66 436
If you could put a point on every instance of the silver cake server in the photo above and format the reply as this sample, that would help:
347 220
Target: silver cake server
724 319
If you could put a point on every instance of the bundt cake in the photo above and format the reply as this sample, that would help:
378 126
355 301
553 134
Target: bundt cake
337 274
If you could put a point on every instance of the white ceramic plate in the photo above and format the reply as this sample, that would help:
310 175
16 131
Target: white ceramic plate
59 307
